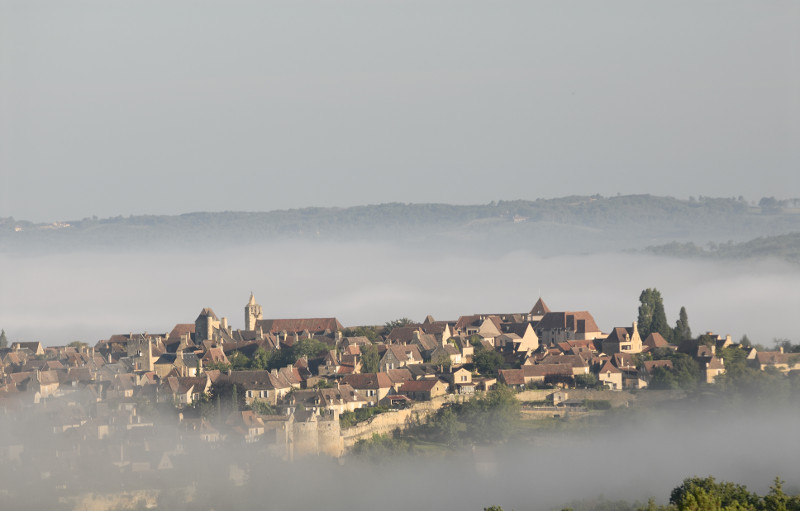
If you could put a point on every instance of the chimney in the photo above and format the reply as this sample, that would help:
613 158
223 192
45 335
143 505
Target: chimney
223 324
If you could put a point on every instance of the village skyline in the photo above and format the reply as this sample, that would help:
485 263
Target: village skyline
300 390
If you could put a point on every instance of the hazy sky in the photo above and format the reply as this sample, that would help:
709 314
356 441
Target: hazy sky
130 107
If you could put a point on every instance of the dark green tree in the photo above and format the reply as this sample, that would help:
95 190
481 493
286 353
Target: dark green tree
776 500
442 359
261 359
308 348
698 493
390 325
370 359
487 361
652 317
239 361
370 332
682 330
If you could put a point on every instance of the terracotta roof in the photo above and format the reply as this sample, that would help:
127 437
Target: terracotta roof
399 375
512 376
179 330
775 357
656 340
608 367
299 325
418 385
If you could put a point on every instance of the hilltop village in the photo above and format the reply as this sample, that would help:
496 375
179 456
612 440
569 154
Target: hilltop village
298 387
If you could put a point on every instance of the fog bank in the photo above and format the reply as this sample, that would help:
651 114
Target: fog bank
85 296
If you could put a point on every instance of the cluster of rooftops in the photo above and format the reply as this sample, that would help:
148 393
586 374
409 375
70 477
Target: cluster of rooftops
416 361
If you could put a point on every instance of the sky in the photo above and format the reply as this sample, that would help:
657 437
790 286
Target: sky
152 107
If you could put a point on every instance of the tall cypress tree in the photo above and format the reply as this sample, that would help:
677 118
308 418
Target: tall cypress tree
682 330
652 317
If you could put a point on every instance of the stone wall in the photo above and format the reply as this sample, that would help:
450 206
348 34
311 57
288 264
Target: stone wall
386 423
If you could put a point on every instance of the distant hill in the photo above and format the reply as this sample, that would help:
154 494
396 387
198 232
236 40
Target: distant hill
784 246
576 224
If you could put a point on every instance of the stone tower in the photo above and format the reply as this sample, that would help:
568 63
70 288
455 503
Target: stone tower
252 313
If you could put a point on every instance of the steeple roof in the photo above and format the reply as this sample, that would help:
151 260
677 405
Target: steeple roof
540 309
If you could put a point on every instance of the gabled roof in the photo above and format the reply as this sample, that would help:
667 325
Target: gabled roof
540 308
608 367
404 353
619 334
656 340
207 311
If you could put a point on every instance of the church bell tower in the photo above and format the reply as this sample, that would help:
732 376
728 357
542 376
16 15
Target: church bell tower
252 313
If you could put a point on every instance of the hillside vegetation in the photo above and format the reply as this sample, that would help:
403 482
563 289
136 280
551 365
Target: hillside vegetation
576 224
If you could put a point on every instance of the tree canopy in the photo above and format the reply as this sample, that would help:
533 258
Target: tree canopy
652 317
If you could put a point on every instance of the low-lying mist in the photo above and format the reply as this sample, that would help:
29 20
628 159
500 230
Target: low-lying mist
631 458
88 296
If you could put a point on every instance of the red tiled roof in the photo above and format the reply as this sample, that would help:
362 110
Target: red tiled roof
299 325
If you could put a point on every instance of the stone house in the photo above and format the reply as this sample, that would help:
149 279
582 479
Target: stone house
623 340
373 386
610 376
399 355
460 381
423 390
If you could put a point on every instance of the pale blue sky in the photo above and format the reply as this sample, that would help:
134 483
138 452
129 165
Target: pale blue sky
131 107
